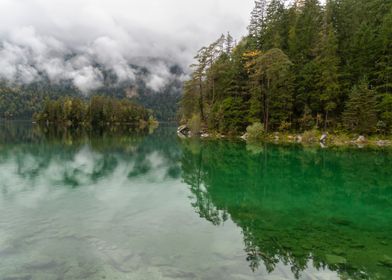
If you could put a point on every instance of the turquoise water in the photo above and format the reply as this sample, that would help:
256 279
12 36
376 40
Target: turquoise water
147 205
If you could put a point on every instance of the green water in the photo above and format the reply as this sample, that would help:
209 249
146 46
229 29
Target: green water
147 205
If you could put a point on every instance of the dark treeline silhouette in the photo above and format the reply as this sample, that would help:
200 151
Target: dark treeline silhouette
97 112
302 66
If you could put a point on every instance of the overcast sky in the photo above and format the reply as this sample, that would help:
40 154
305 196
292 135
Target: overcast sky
37 35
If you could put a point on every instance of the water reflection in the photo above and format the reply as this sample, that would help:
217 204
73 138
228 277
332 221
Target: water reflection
324 208
121 204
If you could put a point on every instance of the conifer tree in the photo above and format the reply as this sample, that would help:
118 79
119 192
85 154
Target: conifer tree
328 63
361 110
257 21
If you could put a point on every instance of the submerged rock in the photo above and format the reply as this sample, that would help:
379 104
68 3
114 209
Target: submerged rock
335 260
386 261
361 139
340 221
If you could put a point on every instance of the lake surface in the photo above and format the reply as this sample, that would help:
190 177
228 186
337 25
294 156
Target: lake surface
148 205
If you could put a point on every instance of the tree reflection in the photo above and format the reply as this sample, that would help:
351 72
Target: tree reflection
76 157
328 208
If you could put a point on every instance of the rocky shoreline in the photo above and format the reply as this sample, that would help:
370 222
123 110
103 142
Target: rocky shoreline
306 138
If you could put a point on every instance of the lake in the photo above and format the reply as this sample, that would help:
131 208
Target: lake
131 204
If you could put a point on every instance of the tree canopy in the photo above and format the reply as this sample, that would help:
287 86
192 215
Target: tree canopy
301 66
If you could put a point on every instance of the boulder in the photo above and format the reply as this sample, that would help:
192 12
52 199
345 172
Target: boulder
244 137
183 130
386 261
382 143
361 139
298 139
323 138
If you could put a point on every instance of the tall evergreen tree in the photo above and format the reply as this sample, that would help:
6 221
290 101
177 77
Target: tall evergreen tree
361 110
272 78
328 63
257 21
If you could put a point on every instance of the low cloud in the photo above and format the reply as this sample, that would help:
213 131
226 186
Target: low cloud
77 40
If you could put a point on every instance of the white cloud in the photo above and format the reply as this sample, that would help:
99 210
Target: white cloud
64 39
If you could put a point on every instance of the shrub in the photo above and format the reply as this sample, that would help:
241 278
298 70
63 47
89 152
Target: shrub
284 126
255 131
310 136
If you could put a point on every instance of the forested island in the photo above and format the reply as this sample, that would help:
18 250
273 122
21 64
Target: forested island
99 111
303 67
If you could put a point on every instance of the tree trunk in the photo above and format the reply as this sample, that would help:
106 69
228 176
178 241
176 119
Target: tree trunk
201 100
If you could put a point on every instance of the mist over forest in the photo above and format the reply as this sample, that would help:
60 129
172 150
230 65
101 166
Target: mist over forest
126 48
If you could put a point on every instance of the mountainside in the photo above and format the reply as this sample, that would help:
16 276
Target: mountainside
20 101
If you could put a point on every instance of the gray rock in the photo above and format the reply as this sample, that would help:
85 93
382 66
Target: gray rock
245 136
386 261
361 139
183 130
382 143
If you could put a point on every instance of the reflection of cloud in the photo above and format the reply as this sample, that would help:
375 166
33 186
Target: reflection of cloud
32 179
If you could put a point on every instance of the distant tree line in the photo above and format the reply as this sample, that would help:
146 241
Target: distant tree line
96 112
21 101
302 66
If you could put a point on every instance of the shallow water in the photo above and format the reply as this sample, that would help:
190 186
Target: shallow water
139 205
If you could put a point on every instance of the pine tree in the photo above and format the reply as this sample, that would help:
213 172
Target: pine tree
328 64
198 76
257 22
361 113
274 33
307 31
229 41
271 76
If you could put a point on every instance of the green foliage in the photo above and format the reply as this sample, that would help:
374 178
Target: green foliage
296 69
228 115
255 132
271 78
310 136
98 111
360 114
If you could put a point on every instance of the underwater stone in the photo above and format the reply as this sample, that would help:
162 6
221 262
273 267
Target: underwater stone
338 252
335 260
386 261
